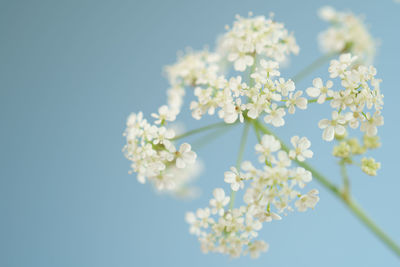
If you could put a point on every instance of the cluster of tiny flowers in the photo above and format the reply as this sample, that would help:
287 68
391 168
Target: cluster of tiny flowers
192 69
256 37
256 47
150 147
268 94
347 33
255 41
270 193
153 154
358 105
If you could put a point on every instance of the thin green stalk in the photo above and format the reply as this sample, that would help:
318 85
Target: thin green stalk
313 66
363 217
206 139
316 99
346 180
240 158
257 132
333 188
348 201
201 129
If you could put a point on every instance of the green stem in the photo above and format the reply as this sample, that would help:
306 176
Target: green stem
313 66
240 158
201 129
206 139
347 200
346 180
257 132
363 217
316 99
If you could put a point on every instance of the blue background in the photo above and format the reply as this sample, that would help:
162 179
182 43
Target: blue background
72 71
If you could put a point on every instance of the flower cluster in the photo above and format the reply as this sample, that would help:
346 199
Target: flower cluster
346 34
358 105
255 41
154 156
266 94
256 47
256 36
192 69
270 194
267 42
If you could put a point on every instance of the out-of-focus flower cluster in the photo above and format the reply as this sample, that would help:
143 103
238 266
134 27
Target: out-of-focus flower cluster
270 193
346 34
154 156
357 105
192 69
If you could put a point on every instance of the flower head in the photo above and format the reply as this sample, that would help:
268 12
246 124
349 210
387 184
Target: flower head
370 166
234 178
320 90
219 201
301 149
332 127
347 33
256 36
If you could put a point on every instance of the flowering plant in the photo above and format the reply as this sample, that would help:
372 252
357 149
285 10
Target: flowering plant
254 94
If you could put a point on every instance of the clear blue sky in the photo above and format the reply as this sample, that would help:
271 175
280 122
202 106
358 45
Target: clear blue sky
71 72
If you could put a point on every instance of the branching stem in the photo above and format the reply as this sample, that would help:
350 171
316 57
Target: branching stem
240 158
347 200
313 66
346 180
201 129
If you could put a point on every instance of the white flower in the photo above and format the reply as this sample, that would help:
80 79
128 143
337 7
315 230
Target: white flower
282 161
275 116
163 136
256 37
232 111
296 101
271 192
327 13
284 87
339 67
219 201
185 156
204 217
268 216
191 69
236 86
234 178
369 126
346 34
301 148
271 68
301 176
256 247
332 127
152 153
319 90
164 114
308 200
241 60
252 226
267 146
258 104
195 228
